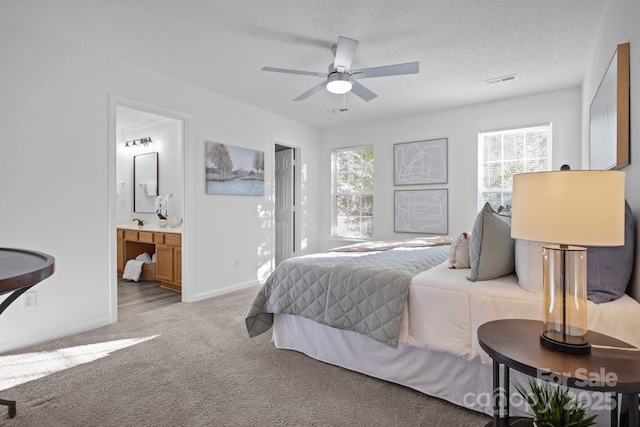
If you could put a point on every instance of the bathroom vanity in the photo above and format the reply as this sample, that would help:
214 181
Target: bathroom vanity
166 243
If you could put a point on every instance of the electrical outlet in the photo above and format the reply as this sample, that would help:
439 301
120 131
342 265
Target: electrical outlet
29 299
236 263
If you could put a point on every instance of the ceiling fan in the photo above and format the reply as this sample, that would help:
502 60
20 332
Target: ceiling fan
341 78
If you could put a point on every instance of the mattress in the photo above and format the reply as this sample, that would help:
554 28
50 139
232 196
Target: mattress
444 311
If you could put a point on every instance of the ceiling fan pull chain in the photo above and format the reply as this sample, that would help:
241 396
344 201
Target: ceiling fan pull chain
344 106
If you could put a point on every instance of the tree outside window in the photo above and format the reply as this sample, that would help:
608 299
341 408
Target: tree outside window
353 192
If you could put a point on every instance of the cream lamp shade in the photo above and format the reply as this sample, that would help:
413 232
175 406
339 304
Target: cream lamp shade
569 207
562 209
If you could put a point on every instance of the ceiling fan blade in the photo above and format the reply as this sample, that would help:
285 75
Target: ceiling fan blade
386 70
311 91
362 91
287 71
345 51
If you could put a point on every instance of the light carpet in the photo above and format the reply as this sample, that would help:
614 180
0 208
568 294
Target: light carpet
193 364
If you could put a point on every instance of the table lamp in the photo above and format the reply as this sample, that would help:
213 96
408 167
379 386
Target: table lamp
563 209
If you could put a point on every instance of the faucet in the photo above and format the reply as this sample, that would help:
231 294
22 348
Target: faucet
140 222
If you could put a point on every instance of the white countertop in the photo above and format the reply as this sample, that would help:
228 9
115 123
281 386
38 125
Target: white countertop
150 226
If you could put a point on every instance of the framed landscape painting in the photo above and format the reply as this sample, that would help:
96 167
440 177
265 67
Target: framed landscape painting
420 162
421 211
233 170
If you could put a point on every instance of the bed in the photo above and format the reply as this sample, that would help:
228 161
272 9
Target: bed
436 351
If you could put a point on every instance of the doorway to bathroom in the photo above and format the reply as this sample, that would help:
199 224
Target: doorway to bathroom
149 209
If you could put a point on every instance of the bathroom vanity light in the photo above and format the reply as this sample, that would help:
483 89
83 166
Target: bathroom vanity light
141 141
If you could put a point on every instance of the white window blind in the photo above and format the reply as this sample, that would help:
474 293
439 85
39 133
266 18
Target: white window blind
503 153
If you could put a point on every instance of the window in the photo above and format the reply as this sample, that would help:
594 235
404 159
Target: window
504 153
352 192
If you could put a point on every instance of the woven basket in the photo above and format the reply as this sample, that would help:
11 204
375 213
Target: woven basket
148 272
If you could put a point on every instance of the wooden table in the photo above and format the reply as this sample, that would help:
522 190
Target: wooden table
19 270
613 366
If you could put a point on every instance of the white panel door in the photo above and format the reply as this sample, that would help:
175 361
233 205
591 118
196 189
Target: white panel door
285 205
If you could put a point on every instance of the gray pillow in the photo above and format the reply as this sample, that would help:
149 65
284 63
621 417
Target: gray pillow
491 248
609 268
529 265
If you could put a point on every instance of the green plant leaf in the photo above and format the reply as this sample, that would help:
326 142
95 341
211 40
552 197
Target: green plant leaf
554 406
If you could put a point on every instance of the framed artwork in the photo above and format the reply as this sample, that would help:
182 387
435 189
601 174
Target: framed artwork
609 116
421 211
420 162
233 170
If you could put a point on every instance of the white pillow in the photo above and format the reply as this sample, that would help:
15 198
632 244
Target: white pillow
132 270
459 252
529 265
144 257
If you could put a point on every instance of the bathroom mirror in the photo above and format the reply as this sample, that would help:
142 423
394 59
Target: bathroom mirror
145 180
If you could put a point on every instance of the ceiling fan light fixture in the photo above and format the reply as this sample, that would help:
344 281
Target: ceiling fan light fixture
339 83
340 77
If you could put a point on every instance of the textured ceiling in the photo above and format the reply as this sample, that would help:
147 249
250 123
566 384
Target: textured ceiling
222 45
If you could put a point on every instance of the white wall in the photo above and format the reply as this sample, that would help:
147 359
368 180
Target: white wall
461 127
620 25
58 196
167 142
55 169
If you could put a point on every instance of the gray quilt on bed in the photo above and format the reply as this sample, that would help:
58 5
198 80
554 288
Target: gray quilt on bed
365 293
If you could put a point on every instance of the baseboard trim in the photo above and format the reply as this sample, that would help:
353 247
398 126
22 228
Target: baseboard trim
218 292
52 335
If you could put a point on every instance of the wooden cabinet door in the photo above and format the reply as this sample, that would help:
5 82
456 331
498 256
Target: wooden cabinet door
131 235
145 236
164 263
120 256
177 266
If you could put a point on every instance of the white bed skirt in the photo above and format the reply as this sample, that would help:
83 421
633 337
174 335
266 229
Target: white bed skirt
462 382
466 383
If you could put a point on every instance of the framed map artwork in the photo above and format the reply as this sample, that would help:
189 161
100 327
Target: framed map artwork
421 211
420 162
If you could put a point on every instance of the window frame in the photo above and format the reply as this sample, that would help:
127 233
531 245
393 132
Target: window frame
335 194
481 163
